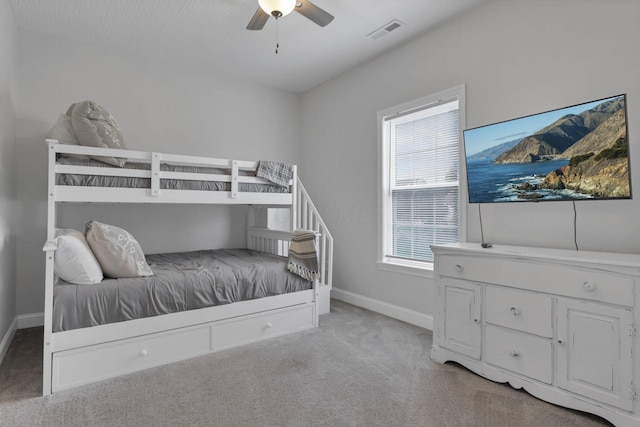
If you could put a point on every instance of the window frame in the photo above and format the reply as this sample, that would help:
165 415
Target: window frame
413 267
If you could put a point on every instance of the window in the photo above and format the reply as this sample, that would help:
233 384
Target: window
420 169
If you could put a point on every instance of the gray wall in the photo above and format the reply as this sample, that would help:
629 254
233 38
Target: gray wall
160 107
8 65
516 58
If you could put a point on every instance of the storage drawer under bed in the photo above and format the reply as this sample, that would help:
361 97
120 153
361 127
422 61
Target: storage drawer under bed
76 367
72 368
247 329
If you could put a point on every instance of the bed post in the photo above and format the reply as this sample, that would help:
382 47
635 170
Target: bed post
317 298
294 199
49 248
251 223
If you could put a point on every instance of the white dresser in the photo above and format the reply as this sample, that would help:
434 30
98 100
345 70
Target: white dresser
561 324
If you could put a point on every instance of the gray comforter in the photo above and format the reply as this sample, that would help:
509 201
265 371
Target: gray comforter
165 184
181 281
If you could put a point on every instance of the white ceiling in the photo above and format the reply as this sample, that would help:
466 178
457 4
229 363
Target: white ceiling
212 34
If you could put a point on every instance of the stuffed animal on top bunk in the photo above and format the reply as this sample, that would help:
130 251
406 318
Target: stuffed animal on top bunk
88 124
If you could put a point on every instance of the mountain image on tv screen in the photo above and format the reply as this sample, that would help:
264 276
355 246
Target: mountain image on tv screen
577 152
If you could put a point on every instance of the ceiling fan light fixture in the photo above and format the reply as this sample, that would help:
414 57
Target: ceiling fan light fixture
277 8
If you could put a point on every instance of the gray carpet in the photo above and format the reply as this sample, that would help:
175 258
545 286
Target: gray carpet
357 369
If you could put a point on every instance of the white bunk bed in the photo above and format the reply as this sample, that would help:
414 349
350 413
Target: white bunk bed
81 356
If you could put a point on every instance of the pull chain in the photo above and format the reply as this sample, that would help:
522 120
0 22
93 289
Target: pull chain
277 37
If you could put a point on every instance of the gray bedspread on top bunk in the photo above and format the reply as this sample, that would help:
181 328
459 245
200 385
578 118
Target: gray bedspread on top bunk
165 184
181 281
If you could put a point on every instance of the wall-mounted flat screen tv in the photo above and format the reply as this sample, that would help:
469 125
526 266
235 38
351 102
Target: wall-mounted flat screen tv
573 153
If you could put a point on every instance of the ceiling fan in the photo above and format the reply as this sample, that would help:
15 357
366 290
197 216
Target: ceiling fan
280 8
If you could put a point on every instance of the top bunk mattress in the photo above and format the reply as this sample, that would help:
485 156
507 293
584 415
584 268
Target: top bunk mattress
165 184
181 281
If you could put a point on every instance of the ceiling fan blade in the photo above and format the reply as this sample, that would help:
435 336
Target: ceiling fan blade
313 12
259 19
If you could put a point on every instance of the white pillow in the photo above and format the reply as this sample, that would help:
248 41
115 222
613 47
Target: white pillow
94 126
74 261
118 252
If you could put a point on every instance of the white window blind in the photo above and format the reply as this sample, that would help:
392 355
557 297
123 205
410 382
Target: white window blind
421 199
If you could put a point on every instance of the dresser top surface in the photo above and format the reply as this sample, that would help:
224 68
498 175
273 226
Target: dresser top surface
559 255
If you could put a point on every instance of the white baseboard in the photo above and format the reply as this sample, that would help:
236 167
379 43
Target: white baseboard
30 320
394 311
22 321
6 340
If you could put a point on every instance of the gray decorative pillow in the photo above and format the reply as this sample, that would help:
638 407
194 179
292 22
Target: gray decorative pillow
94 126
117 251
63 132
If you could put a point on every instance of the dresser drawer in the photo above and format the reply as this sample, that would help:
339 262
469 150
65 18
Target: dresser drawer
520 353
567 280
233 332
522 310
93 363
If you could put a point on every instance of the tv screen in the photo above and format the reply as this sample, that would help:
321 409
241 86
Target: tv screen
573 153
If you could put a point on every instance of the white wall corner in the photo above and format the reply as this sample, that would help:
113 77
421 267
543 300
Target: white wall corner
30 320
400 313
6 340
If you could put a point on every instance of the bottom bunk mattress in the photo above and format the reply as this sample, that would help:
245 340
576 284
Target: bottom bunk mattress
181 281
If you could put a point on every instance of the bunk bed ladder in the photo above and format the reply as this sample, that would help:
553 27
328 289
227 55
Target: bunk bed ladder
303 216
307 217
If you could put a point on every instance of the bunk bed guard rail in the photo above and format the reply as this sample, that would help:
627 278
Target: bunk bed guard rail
230 172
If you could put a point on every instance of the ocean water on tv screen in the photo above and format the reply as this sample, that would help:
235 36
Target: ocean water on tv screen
487 181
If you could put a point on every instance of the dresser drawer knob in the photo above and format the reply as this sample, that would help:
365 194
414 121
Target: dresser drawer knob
459 268
476 320
143 353
515 311
589 286
515 354
268 325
